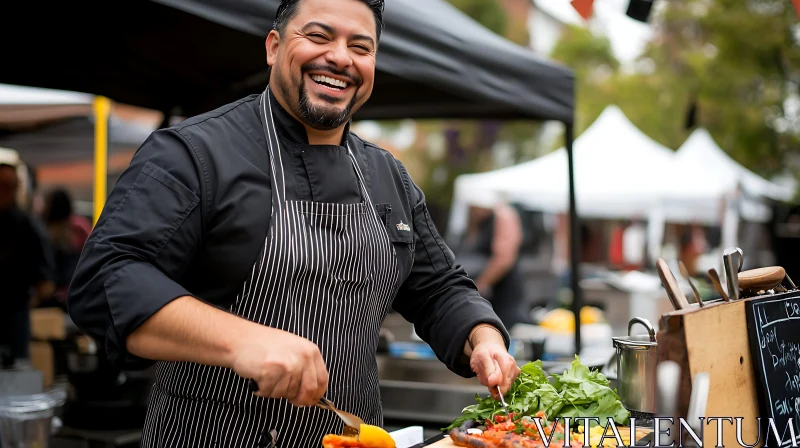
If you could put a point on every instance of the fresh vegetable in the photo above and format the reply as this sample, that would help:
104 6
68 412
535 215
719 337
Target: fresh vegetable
578 392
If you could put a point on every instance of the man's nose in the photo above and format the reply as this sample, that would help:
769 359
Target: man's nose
339 55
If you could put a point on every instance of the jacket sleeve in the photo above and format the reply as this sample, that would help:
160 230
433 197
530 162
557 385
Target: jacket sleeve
149 228
438 297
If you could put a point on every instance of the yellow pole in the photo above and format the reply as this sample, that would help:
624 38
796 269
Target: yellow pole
102 108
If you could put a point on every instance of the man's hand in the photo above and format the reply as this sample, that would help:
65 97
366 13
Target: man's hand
284 365
491 361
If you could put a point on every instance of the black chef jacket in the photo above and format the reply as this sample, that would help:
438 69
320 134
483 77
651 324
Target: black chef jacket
190 215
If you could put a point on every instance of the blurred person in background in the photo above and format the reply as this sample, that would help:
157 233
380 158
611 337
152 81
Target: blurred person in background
490 253
26 266
693 245
68 233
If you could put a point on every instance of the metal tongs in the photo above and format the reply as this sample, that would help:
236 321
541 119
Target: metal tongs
352 424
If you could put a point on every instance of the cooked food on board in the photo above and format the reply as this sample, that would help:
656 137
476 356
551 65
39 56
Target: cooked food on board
516 432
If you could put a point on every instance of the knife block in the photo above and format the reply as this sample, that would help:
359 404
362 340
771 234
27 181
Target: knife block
714 339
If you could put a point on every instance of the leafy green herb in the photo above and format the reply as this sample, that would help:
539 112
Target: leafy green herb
578 392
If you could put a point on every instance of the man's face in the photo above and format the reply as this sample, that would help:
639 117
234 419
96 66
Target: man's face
323 64
9 184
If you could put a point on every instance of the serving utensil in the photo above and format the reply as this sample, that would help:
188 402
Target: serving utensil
733 258
712 273
669 283
352 424
503 400
685 273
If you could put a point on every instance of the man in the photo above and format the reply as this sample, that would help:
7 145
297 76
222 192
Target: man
263 241
26 265
492 242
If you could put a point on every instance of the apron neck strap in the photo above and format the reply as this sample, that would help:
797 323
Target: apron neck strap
276 164
273 146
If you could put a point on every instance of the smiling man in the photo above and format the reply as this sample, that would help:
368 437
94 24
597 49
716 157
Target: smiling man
263 243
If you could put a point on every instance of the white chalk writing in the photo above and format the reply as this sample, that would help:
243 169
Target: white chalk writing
781 353
792 309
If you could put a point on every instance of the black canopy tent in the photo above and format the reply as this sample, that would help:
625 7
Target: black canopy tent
185 57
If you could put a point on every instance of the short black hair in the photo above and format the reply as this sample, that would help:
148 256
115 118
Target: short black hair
288 9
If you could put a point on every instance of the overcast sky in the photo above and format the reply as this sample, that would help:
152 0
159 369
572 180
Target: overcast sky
628 37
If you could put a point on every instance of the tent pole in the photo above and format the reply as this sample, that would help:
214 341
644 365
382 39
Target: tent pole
574 238
101 108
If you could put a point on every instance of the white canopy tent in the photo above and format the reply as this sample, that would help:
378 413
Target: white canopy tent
700 151
619 173
25 105
746 191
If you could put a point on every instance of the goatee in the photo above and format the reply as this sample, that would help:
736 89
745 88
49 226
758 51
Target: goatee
320 117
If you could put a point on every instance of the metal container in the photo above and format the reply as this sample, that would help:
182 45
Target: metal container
637 358
27 421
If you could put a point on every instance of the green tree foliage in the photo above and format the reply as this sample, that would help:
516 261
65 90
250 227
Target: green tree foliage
489 13
732 63
744 86
593 62
468 144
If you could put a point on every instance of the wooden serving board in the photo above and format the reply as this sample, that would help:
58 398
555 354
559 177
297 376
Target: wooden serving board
444 443
624 432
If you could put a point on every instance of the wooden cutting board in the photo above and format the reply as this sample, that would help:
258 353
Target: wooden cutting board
444 443
624 432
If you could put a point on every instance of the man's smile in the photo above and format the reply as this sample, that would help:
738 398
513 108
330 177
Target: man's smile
329 85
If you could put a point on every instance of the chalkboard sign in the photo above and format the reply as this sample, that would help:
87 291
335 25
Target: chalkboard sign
774 326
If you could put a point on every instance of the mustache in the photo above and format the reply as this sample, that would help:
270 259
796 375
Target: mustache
354 79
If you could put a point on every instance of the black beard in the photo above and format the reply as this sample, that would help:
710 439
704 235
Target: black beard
322 118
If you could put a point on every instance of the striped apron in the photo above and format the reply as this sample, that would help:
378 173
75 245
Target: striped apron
328 273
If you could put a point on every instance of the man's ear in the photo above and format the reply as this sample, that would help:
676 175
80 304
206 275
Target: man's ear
272 43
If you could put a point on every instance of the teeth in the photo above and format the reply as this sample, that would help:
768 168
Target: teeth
331 81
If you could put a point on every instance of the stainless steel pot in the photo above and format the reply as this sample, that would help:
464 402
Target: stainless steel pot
637 358
28 421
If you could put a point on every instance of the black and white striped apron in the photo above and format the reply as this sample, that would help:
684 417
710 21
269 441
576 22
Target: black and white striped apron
328 273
